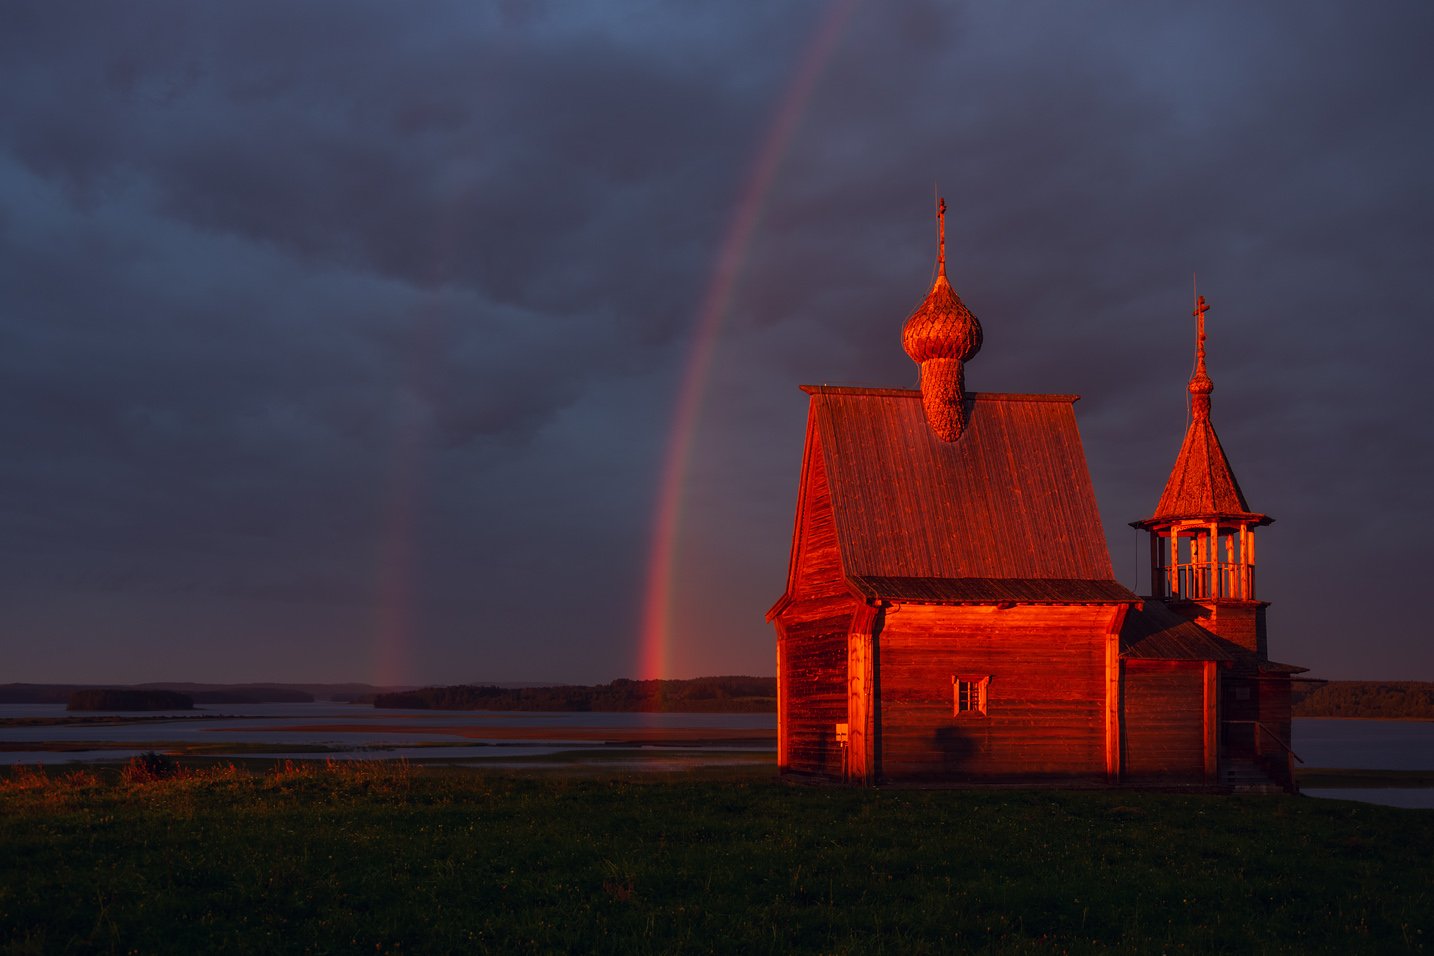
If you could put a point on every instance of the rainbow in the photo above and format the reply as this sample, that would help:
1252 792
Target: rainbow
657 632
391 660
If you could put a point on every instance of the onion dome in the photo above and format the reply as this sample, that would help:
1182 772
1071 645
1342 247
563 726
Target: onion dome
940 336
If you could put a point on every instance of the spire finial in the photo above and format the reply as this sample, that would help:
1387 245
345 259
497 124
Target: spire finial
941 234
1200 384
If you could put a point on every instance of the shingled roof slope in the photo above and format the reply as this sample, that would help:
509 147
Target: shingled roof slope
1010 501
1201 484
1153 631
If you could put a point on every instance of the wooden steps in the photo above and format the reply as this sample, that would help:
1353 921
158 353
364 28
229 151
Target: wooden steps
1242 775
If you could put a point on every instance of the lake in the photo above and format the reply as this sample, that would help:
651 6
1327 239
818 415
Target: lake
328 730
1368 745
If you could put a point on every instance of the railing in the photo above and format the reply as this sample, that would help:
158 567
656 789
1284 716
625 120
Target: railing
1290 755
1192 581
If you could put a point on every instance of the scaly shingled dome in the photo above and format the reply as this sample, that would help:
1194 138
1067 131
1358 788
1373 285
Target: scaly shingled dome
940 336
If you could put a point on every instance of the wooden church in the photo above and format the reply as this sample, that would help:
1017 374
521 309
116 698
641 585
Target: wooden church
951 615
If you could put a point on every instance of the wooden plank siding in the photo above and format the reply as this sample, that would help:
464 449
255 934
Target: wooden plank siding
812 620
813 650
816 569
1045 716
1274 697
1211 679
1239 622
865 624
1240 710
1163 710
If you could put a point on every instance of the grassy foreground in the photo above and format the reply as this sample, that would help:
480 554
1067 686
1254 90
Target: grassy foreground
382 857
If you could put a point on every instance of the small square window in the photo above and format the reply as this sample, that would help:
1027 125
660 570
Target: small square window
970 694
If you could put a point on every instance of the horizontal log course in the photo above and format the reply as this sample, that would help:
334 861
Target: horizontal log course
1163 710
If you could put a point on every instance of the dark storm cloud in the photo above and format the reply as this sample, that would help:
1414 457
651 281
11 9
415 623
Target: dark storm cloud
309 308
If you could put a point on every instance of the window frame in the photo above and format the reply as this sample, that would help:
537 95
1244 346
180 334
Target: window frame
975 690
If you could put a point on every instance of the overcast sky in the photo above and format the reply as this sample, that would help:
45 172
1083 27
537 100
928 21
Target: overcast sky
343 341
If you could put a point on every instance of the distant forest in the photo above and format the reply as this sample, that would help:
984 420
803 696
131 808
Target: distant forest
700 695
110 698
1391 700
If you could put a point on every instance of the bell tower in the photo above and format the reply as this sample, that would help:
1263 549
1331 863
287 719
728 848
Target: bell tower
1202 534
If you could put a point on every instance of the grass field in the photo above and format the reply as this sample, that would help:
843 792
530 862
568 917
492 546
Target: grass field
382 857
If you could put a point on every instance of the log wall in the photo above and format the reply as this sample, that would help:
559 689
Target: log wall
1239 710
813 650
1240 622
1163 711
1274 694
816 563
1045 701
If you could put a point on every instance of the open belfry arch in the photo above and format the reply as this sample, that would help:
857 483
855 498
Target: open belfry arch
951 614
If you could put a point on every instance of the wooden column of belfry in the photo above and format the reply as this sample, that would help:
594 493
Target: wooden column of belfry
1250 563
1113 733
1240 563
1229 575
1215 590
861 661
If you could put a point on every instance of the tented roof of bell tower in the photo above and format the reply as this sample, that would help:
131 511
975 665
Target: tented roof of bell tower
1202 484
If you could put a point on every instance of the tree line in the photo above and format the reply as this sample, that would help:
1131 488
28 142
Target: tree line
110 698
698 695
1390 700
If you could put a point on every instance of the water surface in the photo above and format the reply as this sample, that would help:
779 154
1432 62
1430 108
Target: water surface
360 731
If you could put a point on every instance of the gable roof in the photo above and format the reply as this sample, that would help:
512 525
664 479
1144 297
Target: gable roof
1202 484
1007 512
